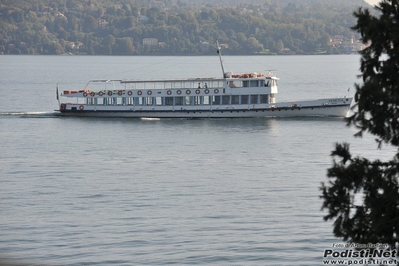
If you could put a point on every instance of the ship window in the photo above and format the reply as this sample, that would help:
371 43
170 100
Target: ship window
189 100
89 101
244 99
149 101
158 100
234 84
179 101
197 100
206 100
140 101
261 83
263 98
226 99
100 101
245 83
216 100
235 99
253 83
254 99
168 100
130 101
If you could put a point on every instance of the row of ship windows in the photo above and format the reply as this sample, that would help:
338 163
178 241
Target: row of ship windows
182 100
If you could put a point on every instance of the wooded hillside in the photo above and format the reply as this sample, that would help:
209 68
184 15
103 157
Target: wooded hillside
134 27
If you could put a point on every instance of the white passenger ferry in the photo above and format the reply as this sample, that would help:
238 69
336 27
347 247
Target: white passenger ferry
233 95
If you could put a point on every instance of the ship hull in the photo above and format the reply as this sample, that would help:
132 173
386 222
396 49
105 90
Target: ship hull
333 111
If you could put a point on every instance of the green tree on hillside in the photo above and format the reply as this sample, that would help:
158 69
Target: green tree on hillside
376 218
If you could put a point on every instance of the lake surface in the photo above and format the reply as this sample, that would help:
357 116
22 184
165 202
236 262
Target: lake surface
77 191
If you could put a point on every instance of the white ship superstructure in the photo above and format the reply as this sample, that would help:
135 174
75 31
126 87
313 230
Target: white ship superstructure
235 95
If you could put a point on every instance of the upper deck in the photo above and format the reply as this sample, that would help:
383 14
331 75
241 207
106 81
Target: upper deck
230 84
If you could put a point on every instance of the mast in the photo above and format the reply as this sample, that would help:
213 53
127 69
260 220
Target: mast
220 57
58 95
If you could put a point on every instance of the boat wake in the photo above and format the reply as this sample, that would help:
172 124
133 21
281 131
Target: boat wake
149 119
30 114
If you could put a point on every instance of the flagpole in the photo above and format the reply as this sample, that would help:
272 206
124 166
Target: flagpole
58 97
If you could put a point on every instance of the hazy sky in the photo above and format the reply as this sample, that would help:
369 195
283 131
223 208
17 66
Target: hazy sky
372 2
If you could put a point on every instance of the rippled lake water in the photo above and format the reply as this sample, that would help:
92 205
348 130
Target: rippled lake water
77 191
